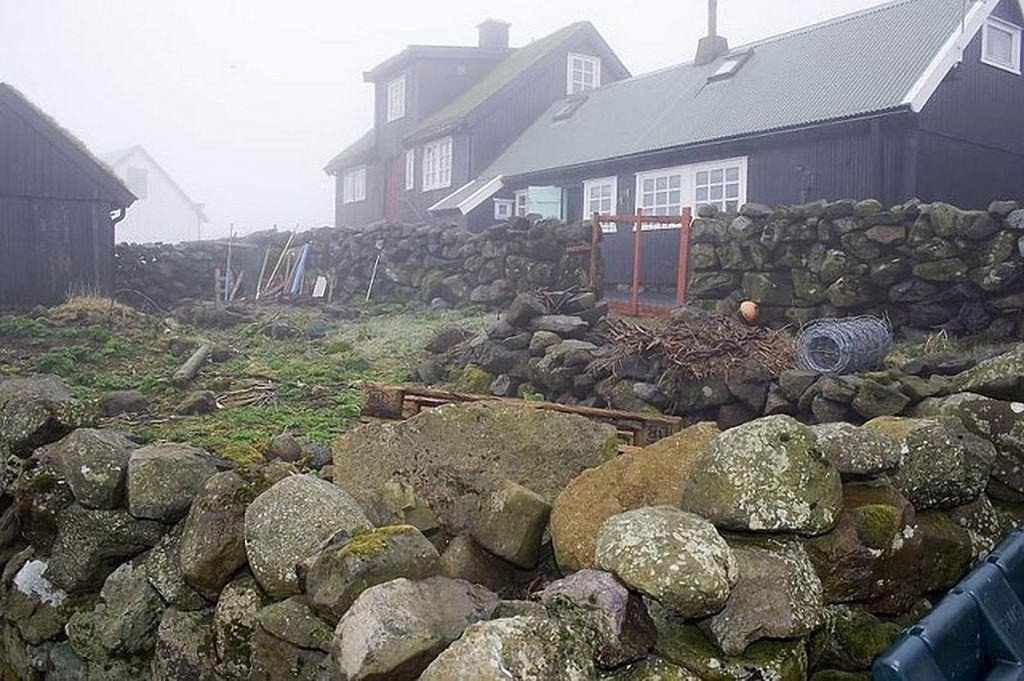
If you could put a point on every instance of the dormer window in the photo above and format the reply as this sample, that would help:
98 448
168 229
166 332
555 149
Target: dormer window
729 65
583 73
1000 45
396 99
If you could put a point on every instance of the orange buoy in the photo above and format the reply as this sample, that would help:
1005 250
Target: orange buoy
749 311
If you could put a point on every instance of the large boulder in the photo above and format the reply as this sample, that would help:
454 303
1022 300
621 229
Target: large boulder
652 477
765 476
163 570
455 455
672 556
464 559
525 647
335 576
1001 377
943 464
94 463
510 523
858 452
124 622
394 630
778 595
36 410
184 647
164 478
601 602
212 546
234 621
290 521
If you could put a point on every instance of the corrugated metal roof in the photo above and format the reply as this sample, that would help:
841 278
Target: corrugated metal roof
854 65
354 154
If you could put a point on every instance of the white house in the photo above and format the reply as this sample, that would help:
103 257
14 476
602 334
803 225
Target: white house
163 212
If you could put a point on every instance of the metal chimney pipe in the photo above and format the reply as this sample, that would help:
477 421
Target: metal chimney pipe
712 17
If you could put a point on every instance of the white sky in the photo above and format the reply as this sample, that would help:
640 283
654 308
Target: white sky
244 101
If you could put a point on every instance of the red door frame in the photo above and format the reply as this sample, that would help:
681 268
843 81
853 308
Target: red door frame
635 307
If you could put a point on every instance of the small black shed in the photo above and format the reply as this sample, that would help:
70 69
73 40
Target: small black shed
58 207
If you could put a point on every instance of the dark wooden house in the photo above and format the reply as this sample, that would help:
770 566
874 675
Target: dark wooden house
911 98
58 206
445 113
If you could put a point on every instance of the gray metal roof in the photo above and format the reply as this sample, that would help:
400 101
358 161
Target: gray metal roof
356 153
854 65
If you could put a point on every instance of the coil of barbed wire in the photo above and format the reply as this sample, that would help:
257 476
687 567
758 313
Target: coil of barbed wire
843 346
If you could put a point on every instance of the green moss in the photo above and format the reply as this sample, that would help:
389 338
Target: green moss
366 542
44 482
877 524
474 380
23 327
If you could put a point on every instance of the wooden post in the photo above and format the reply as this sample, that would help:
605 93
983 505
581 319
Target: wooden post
637 229
190 368
684 258
595 238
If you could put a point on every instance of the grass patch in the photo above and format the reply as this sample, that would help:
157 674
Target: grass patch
23 327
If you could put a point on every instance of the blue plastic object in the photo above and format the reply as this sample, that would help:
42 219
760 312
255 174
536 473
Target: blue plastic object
975 632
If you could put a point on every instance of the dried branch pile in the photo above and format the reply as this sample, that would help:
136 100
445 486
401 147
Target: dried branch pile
702 346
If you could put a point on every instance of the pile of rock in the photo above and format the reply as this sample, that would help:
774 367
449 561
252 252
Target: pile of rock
925 266
485 540
427 263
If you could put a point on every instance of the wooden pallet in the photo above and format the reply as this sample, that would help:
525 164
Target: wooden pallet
399 402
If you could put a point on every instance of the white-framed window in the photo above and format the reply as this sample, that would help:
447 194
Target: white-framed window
138 182
520 199
502 209
410 169
437 164
599 196
667 191
1000 45
353 187
583 72
396 99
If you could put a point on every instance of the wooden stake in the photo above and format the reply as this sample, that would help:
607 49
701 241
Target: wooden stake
263 269
191 367
283 251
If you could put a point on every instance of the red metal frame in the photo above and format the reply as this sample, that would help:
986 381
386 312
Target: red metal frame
635 307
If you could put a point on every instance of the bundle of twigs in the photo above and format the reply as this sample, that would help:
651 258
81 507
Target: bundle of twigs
555 301
710 346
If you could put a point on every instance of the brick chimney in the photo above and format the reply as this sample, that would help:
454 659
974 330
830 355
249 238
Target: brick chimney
493 34
712 46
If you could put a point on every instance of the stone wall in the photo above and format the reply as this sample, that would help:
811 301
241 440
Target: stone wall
416 262
925 266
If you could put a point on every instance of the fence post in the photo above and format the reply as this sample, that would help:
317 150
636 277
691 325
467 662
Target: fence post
638 228
595 237
684 258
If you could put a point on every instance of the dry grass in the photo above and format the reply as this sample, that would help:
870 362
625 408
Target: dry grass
91 308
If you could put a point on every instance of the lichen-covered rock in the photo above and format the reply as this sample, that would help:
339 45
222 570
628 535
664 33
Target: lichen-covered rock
38 608
454 455
234 621
675 557
288 522
36 410
94 463
652 477
124 623
163 570
274 658
777 595
765 476
294 622
1001 377
184 647
164 478
945 551
599 601
877 399
510 523
90 543
850 639
394 630
212 546
983 524
858 452
336 575
41 494
941 468
651 669
515 647
464 559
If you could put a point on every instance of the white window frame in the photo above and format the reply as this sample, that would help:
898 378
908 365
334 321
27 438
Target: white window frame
503 209
997 24
588 201
410 170
520 198
437 164
395 99
688 184
353 185
569 69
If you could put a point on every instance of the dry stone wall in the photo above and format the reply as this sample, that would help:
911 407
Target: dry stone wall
924 266
424 262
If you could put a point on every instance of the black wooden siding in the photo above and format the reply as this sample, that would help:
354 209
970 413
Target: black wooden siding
56 233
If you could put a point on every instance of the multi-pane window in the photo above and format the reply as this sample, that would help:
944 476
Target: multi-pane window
583 73
662 194
1000 45
437 164
599 197
396 99
353 186
718 186
502 209
520 198
410 169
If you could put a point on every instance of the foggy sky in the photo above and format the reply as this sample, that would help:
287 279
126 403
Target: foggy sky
243 102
